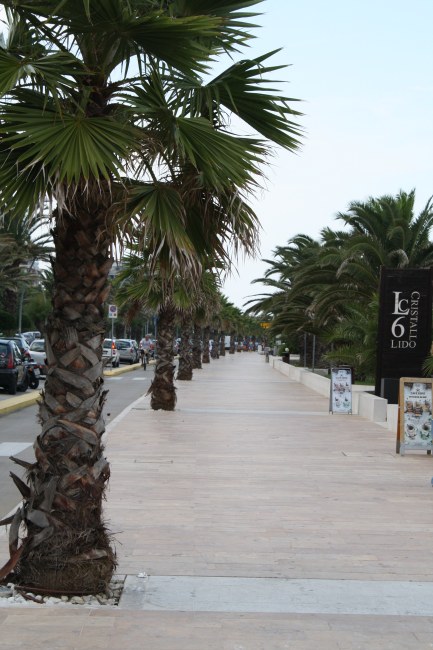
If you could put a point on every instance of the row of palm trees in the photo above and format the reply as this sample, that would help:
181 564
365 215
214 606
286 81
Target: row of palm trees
108 111
194 306
328 287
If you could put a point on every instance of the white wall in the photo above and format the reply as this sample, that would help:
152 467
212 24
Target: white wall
364 403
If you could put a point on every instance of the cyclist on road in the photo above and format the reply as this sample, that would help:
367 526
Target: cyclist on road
145 348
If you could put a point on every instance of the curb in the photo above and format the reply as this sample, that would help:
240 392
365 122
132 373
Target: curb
28 399
20 402
121 371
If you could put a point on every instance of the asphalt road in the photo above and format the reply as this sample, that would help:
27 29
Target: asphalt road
19 429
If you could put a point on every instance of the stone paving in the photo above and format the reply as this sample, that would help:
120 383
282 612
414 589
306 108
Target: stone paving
256 520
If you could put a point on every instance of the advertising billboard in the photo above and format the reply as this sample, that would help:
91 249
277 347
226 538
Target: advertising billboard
404 329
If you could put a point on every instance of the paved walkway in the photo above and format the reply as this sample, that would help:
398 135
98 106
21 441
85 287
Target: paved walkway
256 520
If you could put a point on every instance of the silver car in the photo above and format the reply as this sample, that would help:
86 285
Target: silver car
110 353
38 354
128 350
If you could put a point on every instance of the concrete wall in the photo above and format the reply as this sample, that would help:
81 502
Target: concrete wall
364 403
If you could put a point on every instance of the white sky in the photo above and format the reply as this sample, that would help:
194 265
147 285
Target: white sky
364 70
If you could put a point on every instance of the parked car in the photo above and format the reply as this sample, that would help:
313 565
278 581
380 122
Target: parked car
110 353
13 375
128 350
31 336
38 354
21 342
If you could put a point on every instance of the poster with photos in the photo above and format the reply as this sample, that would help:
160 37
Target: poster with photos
340 400
415 405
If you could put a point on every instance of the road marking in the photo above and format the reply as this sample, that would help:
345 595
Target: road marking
13 448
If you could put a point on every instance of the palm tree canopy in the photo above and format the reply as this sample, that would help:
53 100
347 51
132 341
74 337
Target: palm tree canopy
113 90
69 112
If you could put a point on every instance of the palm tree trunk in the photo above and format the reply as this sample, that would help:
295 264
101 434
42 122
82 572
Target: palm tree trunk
196 347
223 344
67 547
162 389
206 338
232 343
306 349
184 371
214 351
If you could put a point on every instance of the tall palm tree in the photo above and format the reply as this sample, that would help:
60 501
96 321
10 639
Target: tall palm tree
285 306
138 289
227 315
75 130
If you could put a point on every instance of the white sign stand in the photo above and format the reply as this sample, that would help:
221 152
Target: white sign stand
340 394
415 414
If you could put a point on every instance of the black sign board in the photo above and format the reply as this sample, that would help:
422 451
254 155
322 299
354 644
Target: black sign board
405 321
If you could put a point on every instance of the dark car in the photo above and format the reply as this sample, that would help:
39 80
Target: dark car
128 350
13 375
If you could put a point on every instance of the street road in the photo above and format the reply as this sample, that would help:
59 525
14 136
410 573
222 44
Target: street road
18 430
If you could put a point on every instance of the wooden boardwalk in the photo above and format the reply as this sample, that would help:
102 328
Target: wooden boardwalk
252 478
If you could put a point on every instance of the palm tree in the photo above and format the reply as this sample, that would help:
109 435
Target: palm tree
286 306
227 314
353 340
71 129
24 240
138 289
329 287
185 369
162 390
383 232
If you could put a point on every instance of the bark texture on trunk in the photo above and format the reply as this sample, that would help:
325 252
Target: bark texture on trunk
162 389
67 547
232 343
184 372
196 347
223 344
214 350
206 339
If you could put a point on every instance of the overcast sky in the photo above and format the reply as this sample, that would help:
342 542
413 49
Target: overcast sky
364 70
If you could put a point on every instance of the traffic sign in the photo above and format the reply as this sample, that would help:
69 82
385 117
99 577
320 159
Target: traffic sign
112 311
